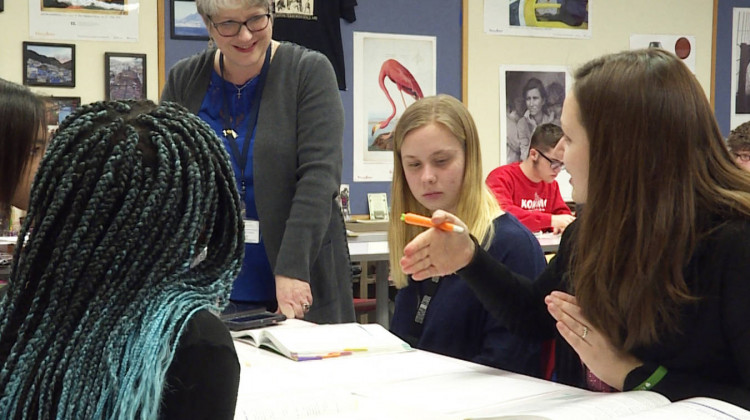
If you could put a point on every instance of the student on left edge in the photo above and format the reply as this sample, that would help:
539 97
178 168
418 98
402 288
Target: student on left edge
134 233
23 140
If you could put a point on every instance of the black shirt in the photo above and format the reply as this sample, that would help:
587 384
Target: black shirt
711 355
315 25
203 378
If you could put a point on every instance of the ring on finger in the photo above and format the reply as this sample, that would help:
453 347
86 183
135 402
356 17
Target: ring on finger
306 307
585 331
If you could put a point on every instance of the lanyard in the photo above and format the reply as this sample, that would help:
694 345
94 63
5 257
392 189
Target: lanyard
415 330
252 118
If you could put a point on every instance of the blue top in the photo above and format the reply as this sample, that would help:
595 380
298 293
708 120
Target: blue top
256 282
457 325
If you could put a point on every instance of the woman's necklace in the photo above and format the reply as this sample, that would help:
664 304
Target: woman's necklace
241 88
228 130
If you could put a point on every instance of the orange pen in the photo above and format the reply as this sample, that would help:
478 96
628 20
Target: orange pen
417 220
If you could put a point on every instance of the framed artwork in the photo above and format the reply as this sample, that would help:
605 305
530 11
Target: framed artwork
539 18
84 20
59 107
47 64
125 76
391 71
529 96
185 21
740 98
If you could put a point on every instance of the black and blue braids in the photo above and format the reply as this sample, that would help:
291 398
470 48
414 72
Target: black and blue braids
127 197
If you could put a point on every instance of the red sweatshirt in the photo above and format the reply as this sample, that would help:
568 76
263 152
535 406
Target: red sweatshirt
533 203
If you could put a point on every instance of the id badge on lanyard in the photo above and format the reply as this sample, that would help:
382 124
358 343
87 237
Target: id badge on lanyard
252 227
252 231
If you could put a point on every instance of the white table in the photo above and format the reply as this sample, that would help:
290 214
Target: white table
419 385
408 385
548 241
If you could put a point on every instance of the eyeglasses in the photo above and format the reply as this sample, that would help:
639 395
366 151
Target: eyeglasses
232 28
554 164
743 157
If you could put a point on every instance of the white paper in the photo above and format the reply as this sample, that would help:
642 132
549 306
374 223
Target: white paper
108 22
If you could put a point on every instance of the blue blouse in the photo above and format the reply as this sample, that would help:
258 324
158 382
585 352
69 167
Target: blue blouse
256 282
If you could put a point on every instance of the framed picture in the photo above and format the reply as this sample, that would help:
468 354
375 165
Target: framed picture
59 107
186 23
530 95
46 64
387 67
125 76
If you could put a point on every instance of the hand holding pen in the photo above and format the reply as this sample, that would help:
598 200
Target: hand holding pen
436 252
417 220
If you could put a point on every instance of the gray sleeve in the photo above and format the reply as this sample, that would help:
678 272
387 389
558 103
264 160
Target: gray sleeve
320 130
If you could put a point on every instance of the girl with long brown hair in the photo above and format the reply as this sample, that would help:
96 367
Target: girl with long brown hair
649 289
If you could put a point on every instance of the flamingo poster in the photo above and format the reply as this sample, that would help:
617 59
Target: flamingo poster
390 73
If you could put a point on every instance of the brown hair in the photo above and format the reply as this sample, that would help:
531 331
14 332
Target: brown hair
739 138
477 207
22 116
546 136
658 169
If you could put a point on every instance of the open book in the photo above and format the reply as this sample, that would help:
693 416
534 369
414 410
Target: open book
307 341
622 405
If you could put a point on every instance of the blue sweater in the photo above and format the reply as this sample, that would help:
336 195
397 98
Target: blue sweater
457 325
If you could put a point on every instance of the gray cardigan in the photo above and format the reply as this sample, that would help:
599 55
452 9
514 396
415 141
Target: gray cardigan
297 159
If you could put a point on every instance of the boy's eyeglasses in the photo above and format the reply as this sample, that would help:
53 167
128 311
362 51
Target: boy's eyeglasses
553 163
232 28
743 157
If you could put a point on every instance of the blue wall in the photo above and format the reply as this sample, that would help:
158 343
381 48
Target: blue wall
440 18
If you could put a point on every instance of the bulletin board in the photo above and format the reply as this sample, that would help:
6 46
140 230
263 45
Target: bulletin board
442 19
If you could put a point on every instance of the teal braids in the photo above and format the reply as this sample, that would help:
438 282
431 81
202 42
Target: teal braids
127 196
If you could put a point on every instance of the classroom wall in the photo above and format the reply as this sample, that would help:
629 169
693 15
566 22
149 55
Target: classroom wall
14 22
612 22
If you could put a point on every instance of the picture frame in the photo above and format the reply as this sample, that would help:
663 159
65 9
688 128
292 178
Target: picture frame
49 64
513 80
59 107
375 116
124 76
185 22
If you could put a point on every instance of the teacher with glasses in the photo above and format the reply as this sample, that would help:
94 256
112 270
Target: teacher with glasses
277 109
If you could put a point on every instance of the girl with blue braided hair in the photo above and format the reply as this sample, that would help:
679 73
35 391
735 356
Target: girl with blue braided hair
134 234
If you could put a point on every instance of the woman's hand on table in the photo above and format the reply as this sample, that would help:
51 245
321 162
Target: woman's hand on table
294 296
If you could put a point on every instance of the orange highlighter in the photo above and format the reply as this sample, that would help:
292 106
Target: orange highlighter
417 220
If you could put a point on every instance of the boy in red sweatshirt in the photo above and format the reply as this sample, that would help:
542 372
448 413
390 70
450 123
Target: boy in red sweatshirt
528 189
